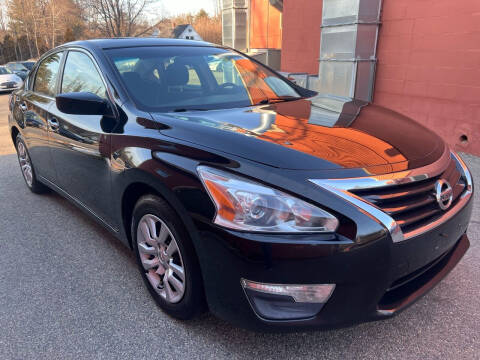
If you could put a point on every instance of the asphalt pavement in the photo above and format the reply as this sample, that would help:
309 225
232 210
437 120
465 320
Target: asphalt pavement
69 290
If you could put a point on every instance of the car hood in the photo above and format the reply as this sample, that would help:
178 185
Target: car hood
10 77
319 133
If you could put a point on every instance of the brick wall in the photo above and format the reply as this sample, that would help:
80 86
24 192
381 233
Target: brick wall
301 35
265 25
429 66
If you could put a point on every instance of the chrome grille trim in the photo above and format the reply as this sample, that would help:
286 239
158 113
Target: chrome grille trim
343 188
374 212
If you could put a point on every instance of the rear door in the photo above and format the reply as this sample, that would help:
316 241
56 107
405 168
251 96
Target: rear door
35 102
80 147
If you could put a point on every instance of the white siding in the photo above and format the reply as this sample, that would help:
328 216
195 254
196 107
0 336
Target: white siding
190 34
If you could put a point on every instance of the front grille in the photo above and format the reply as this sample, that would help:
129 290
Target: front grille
413 205
8 84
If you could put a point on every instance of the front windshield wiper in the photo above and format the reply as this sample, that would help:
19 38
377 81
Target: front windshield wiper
278 99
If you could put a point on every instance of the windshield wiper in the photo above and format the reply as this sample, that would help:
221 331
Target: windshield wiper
278 99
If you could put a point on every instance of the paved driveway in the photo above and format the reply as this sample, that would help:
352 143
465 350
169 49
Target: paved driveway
69 290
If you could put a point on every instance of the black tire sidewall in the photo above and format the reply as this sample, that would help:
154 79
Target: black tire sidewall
192 302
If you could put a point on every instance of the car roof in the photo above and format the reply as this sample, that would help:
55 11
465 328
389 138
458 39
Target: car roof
134 42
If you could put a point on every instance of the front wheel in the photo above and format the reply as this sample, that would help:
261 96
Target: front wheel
166 258
26 166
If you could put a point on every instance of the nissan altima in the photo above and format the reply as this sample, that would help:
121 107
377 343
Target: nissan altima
273 206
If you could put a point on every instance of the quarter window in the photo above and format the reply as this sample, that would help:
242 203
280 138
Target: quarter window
46 76
81 75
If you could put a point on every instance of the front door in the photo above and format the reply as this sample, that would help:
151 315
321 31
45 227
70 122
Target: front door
79 147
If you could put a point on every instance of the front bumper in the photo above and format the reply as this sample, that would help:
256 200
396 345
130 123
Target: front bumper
10 87
373 281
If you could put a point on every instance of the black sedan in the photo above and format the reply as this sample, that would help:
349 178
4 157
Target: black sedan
241 192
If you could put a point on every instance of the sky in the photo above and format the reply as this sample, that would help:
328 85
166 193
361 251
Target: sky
176 7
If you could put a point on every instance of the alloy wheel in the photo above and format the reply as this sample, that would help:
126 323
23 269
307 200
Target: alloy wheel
25 163
161 258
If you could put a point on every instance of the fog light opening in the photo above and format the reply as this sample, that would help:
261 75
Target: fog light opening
463 139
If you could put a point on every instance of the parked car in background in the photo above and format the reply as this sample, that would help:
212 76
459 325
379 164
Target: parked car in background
18 68
8 80
273 205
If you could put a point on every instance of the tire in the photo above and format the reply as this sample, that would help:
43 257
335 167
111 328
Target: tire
26 167
162 248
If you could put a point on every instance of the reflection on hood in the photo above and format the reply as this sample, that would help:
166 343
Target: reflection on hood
338 132
321 128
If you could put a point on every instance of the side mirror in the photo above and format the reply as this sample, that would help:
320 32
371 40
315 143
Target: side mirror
82 103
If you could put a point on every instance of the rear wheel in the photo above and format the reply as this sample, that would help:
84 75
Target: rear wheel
26 166
166 258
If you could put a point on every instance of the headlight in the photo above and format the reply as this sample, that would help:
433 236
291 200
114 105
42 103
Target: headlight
249 206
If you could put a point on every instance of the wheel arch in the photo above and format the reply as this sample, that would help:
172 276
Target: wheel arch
14 132
145 184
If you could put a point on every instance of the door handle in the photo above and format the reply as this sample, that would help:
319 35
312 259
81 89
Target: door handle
23 106
53 124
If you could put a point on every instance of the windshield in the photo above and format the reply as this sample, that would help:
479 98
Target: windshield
17 67
172 78
28 64
4 70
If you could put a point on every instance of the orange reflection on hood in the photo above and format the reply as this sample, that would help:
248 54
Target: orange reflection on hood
345 147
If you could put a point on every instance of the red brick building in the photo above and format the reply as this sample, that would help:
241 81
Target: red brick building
425 60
